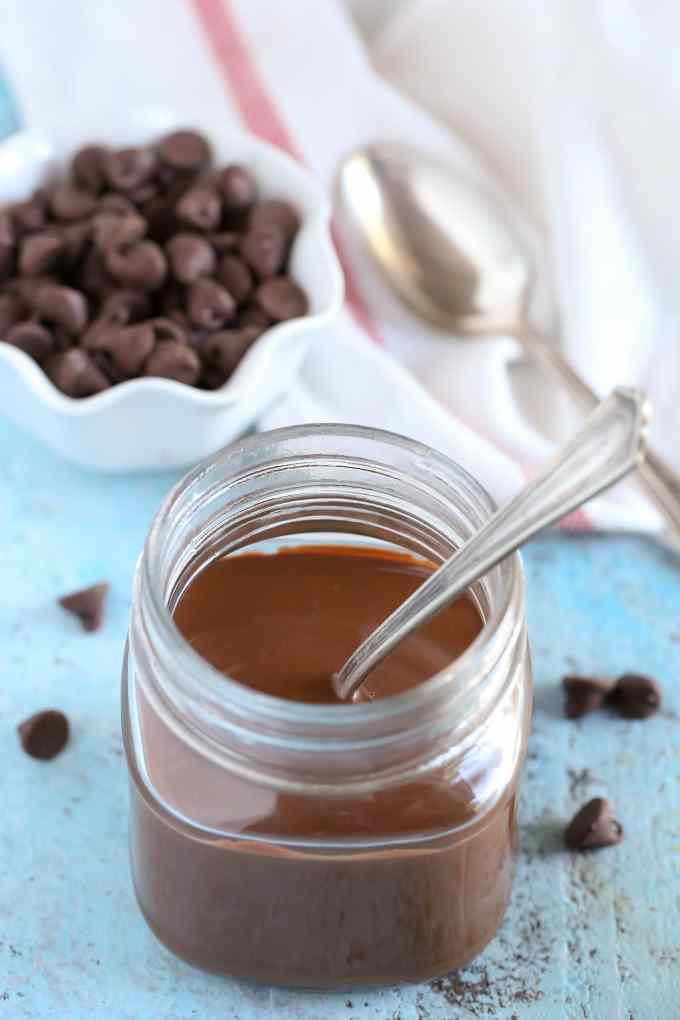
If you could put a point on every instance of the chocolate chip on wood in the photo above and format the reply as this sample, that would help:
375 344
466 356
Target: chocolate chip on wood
584 694
636 696
44 734
87 604
593 827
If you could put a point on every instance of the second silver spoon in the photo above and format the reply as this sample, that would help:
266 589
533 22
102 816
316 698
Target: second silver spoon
450 251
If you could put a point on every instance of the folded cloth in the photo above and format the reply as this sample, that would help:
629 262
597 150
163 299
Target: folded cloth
570 105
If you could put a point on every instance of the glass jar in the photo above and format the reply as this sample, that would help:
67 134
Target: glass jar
374 895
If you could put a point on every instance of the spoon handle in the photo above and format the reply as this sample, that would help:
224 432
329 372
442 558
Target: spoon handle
657 477
611 443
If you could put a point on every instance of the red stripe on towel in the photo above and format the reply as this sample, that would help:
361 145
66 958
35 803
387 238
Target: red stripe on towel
260 115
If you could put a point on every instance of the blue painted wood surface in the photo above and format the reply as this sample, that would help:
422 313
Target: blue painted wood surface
594 936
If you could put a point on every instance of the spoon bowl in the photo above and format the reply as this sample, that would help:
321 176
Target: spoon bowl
447 251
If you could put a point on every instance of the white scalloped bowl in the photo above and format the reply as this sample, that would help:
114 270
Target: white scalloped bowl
148 424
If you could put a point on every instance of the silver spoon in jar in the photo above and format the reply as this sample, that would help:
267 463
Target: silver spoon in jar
610 445
447 249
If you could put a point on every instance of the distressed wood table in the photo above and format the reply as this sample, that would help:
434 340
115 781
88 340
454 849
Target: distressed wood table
588 936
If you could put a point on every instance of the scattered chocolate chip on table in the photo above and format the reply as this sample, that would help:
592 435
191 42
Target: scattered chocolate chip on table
636 696
87 604
583 694
44 734
632 695
94 268
593 827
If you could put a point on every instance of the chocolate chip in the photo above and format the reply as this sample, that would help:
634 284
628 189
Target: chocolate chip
127 347
125 306
40 253
141 265
636 696
272 212
105 365
87 167
171 297
75 238
111 230
70 203
161 219
61 338
264 248
44 734
224 240
127 169
173 360
116 204
8 236
26 288
190 257
75 373
181 319
31 215
93 277
93 337
223 350
87 604
184 150
583 694
281 299
237 187
200 207
209 306
211 378
7 246
165 329
252 315
62 305
236 277
32 338
11 311
142 195
593 826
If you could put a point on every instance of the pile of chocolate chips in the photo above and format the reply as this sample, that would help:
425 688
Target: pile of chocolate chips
145 262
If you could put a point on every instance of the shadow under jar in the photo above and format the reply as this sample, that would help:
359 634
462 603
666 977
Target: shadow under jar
401 866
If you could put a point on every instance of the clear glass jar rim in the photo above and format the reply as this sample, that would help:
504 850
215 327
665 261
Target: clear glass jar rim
236 696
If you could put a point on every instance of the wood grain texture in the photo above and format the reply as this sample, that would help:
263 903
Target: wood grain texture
593 936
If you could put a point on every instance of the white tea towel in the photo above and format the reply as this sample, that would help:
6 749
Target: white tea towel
571 104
